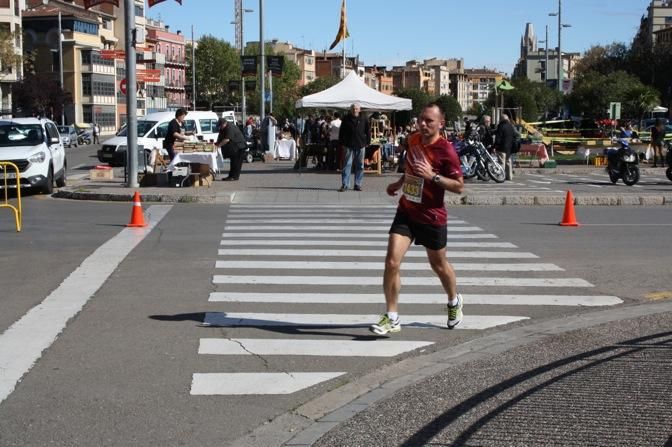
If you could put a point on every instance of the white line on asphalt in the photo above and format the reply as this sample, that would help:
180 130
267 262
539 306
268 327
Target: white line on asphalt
415 298
350 265
253 222
237 384
540 182
380 235
325 227
408 281
626 224
370 253
23 343
326 243
361 232
232 319
332 348
310 207
331 215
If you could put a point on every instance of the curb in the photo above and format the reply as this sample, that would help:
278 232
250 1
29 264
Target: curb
466 200
309 422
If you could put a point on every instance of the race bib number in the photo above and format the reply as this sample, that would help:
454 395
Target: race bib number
412 188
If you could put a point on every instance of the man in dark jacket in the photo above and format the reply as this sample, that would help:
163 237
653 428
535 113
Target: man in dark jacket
504 143
233 145
354 135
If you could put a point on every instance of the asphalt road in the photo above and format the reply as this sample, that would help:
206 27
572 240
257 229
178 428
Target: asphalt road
124 369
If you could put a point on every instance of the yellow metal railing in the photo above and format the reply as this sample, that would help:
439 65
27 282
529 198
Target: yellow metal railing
4 167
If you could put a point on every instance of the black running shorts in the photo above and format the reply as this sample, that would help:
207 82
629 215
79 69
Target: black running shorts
429 236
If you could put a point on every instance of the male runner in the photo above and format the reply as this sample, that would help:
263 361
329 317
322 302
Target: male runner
432 167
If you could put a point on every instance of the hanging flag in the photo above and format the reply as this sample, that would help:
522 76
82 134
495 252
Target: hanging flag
275 64
90 3
249 65
156 2
342 29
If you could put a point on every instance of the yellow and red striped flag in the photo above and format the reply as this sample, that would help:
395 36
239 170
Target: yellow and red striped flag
342 29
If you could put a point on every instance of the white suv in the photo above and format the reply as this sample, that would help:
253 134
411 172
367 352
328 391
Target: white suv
34 145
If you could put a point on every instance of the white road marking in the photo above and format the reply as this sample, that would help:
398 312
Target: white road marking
23 343
353 265
327 243
378 235
349 348
233 319
358 227
540 182
329 214
415 298
408 281
253 222
370 253
237 384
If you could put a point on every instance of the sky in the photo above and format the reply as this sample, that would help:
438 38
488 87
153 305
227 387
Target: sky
485 33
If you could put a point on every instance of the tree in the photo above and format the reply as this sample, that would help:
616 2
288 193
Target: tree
450 107
319 84
603 59
39 94
9 60
217 63
419 98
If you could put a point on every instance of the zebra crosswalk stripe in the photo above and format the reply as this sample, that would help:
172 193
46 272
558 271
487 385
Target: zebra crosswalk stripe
240 384
340 221
370 253
409 281
355 265
325 243
415 298
349 236
238 319
308 347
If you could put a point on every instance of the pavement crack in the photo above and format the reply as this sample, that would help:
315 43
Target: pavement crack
242 345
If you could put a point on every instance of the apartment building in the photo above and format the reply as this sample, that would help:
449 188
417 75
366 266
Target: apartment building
10 27
170 94
413 75
86 76
384 80
658 17
305 59
481 83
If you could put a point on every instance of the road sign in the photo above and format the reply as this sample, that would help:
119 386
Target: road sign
149 75
112 54
615 110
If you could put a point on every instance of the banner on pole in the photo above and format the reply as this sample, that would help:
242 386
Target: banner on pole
275 65
156 2
248 65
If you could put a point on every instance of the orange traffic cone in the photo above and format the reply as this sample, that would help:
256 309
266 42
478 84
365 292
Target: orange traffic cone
568 217
137 217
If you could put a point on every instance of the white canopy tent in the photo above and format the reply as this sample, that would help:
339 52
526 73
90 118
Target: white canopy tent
350 90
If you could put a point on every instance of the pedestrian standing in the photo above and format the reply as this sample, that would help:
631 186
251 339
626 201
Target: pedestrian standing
657 139
354 135
504 142
175 132
96 133
485 131
332 150
432 167
233 145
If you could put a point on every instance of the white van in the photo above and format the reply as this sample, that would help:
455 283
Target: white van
230 116
152 129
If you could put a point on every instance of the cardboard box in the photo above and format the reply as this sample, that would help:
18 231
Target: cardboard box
101 174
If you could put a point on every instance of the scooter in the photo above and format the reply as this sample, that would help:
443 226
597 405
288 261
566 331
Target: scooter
623 163
84 137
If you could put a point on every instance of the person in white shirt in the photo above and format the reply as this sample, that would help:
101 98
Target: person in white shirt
332 148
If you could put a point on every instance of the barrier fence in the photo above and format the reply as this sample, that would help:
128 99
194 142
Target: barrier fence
6 169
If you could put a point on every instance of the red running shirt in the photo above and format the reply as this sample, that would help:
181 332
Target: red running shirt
427 206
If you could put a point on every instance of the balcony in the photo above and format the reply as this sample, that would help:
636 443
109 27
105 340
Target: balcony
174 84
176 60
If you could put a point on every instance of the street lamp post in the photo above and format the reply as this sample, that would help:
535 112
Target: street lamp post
240 13
60 61
262 63
560 27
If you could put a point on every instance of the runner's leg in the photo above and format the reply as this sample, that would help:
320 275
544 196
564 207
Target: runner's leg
397 246
443 269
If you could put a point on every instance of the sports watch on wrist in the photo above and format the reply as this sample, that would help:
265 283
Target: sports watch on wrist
436 178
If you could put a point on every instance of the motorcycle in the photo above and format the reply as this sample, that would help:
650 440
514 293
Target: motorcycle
477 161
84 137
623 163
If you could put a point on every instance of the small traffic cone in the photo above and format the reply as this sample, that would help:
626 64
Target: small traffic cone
568 217
137 217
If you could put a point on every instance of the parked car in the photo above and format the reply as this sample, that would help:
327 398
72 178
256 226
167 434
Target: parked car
152 129
68 135
34 146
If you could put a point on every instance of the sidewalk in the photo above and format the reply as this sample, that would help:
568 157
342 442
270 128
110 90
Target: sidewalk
602 378
279 182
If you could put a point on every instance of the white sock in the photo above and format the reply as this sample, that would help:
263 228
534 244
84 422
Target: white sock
393 316
452 302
